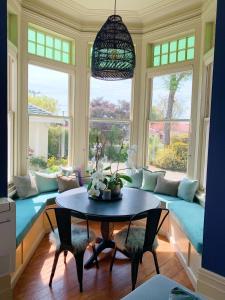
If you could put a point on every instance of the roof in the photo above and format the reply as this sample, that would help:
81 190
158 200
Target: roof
36 110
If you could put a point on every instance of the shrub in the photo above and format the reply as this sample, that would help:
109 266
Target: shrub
36 161
173 157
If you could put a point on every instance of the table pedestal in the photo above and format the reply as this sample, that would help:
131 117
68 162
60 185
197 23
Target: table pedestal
104 242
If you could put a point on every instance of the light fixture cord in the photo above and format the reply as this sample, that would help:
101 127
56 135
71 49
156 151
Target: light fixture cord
115 7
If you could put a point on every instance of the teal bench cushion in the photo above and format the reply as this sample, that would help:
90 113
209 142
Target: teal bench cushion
190 217
28 210
167 199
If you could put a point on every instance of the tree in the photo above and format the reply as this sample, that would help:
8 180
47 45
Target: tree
172 82
47 103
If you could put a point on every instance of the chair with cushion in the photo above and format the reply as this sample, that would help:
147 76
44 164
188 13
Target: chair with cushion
68 237
134 241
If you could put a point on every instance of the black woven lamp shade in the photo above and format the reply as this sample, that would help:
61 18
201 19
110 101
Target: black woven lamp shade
113 55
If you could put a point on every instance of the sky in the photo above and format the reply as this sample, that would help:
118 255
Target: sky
54 84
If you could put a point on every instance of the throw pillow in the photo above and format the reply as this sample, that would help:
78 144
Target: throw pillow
68 171
136 177
25 187
187 189
167 187
150 179
66 183
46 182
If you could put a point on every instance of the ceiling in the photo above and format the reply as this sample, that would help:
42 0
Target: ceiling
136 13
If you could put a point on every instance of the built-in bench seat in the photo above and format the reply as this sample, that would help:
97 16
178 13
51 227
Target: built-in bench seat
190 217
28 210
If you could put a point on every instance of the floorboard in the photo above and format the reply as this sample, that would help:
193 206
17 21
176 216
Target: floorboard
98 284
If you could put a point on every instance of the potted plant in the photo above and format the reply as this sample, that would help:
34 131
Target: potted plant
105 179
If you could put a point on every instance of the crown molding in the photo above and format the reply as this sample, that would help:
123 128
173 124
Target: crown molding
90 20
136 28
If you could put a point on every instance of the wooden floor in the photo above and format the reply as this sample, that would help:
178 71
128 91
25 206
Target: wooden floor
98 284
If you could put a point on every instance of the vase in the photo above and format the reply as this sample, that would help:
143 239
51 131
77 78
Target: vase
106 195
116 191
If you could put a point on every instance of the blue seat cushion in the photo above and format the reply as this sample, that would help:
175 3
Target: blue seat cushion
28 210
190 217
167 199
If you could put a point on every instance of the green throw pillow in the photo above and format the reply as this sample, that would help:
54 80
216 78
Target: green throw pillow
150 179
136 179
46 182
187 189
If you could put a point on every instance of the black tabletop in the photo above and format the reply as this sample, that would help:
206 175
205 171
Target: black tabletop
133 201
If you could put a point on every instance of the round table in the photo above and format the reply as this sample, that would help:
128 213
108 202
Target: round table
134 201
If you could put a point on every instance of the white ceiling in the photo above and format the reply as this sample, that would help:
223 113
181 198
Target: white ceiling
137 13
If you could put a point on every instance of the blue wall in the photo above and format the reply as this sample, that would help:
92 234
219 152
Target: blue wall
214 228
3 98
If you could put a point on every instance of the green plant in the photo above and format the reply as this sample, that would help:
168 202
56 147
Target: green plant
173 157
40 162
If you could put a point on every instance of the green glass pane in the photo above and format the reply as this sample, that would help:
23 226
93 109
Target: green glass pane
181 55
31 48
156 61
157 50
173 46
31 35
66 47
57 55
190 53
173 58
58 44
40 38
49 52
65 58
191 41
49 41
182 44
165 48
164 59
40 50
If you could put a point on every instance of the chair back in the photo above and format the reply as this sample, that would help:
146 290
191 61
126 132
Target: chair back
153 225
63 220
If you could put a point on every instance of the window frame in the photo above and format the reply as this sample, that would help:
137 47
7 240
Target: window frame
12 109
113 121
53 35
41 62
160 71
208 59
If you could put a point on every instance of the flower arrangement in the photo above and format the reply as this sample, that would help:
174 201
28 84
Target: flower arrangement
105 179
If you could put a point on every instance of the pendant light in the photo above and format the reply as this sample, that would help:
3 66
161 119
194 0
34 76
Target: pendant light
113 55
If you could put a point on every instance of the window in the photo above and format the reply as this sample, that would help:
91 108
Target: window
12 99
49 119
50 46
110 109
169 123
173 51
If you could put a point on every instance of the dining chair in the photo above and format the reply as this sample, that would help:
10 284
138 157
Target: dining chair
69 237
133 241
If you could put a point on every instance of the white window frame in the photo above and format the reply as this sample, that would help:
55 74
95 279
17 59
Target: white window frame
117 121
12 109
57 66
160 71
206 98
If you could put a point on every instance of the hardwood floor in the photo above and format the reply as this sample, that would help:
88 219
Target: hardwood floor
98 284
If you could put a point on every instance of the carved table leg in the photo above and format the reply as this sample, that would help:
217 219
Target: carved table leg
104 242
